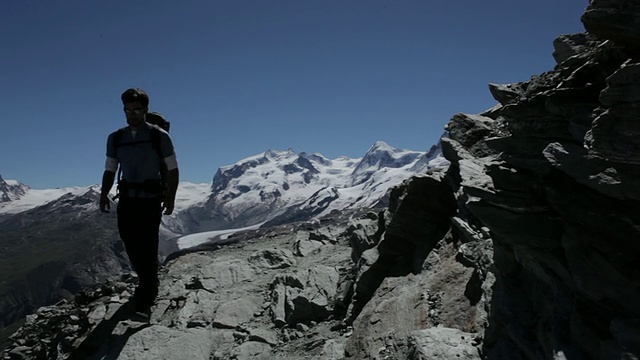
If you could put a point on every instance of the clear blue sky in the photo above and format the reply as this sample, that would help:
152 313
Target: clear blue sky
236 78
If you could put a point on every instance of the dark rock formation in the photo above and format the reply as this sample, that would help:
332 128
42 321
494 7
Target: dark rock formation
552 176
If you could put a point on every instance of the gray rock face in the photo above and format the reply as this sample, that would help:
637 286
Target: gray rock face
615 20
442 343
304 297
258 299
569 45
253 299
552 181
162 343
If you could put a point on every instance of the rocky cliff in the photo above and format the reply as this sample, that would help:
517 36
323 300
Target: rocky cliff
551 176
525 248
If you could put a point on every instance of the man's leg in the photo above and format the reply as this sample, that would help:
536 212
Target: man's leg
134 219
149 223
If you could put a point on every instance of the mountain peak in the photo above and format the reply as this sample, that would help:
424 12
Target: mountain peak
382 146
11 190
382 155
277 154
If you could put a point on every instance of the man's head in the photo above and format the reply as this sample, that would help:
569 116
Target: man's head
136 105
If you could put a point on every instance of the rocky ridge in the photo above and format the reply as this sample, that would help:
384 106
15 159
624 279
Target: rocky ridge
284 292
526 248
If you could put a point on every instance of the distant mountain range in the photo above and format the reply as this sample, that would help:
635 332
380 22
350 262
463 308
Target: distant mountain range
55 241
284 186
274 187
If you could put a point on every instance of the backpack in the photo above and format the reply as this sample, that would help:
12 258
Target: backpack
152 118
157 119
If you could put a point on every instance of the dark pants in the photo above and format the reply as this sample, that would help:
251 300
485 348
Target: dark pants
138 224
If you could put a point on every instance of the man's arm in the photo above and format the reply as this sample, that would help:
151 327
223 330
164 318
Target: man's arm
173 178
109 175
173 175
107 183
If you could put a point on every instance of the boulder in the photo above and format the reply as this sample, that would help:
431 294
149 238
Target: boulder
443 343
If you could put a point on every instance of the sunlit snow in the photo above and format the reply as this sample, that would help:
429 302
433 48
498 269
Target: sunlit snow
192 240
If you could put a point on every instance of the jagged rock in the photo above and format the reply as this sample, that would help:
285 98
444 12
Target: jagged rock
621 85
231 314
251 350
568 45
616 20
613 135
617 180
265 336
442 343
476 254
304 245
279 305
402 305
191 309
326 233
547 201
506 93
422 200
468 130
303 297
332 350
273 259
97 314
364 233
161 343
403 302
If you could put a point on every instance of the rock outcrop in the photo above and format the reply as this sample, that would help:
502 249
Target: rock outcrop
525 248
291 292
551 177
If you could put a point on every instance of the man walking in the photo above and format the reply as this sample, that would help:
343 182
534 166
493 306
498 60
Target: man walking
140 149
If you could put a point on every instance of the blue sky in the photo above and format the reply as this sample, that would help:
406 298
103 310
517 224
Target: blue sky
236 78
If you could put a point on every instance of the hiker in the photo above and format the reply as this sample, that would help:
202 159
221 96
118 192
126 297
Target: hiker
140 150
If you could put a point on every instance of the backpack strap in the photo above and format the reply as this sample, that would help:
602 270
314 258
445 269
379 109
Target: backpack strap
155 140
117 139
155 143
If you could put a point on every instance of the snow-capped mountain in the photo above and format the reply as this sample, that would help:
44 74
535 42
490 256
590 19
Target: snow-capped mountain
34 198
283 186
273 187
188 195
11 190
